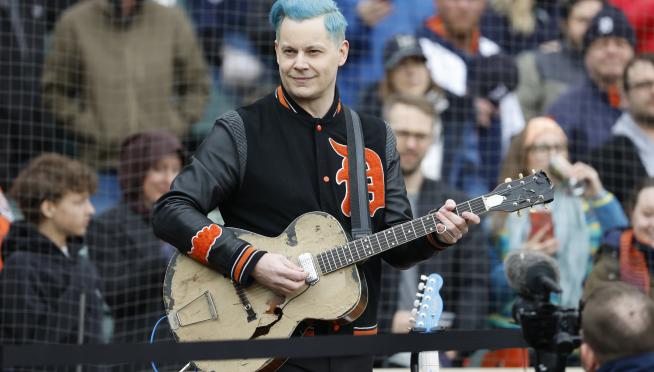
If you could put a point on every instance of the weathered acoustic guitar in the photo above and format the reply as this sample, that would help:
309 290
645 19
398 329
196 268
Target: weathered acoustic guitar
204 305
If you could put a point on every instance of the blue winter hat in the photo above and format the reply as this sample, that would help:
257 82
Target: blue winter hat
610 21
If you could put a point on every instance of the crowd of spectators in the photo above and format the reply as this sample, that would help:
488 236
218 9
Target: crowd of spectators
103 101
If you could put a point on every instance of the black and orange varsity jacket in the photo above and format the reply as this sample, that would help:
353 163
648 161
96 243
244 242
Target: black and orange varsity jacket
266 164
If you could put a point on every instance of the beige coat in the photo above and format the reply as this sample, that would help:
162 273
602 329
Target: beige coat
105 80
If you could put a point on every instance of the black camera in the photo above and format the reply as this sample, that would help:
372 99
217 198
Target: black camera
551 330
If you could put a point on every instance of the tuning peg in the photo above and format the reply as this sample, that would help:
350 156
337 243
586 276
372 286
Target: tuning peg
519 213
532 209
414 311
427 298
421 324
545 205
419 294
423 277
421 286
520 174
411 320
533 171
507 180
416 303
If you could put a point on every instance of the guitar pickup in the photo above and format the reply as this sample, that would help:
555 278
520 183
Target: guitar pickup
305 260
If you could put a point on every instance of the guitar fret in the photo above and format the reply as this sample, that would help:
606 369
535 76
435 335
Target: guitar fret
404 232
319 259
388 245
379 243
395 242
423 225
358 250
331 253
340 259
328 266
351 255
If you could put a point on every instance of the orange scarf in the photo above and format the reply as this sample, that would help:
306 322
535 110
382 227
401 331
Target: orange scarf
633 267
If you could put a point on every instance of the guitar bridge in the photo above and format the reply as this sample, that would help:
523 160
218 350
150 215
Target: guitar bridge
175 321
305 260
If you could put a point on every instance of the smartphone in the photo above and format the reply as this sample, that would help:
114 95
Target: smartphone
539 220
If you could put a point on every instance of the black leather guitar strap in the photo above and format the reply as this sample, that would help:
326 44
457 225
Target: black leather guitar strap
359 204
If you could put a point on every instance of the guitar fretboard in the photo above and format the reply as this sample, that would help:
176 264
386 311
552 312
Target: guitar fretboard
357 250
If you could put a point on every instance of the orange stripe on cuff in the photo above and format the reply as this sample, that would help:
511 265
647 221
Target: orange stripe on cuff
339 108
281 98
367 332
241 263
309 333
203 241
433 242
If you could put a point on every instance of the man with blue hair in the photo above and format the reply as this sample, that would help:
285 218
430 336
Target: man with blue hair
266 164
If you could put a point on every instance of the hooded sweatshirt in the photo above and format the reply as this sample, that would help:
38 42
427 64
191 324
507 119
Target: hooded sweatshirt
41 290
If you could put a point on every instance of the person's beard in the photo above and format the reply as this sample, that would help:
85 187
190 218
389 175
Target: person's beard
643 118
408 170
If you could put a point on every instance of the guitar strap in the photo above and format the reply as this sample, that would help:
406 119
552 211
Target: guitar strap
359 204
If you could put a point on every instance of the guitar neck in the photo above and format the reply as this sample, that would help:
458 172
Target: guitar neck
357 250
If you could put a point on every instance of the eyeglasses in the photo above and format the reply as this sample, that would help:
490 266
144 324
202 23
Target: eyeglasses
542 150
646 84
403 136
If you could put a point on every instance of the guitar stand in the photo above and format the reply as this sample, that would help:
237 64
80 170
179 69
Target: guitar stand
414 365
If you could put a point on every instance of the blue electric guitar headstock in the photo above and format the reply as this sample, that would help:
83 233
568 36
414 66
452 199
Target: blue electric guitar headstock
429 306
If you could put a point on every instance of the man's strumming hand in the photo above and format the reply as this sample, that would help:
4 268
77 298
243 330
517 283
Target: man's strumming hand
279 274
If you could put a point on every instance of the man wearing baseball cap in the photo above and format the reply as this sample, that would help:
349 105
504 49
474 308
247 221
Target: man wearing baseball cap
588 111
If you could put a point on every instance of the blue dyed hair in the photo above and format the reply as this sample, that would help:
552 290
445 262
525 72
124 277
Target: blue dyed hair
299 10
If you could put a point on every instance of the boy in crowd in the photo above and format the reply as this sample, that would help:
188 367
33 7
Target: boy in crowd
49 294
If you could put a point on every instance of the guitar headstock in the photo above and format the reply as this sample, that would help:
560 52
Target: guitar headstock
429 306
524 192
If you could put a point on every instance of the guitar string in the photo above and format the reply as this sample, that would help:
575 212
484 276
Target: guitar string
478 209
383 247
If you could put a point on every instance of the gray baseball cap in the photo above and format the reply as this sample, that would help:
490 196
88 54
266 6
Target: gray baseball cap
399 47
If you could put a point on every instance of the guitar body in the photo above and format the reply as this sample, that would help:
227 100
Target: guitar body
340 296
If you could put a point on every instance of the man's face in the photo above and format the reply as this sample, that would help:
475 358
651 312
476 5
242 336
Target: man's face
640 96
71 214
460 17
308 59
578 20
606 58
414 131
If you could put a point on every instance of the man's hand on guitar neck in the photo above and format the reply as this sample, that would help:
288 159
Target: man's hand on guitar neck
457 226
279 274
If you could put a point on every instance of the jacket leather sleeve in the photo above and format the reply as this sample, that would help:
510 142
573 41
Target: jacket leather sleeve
180 216
398 211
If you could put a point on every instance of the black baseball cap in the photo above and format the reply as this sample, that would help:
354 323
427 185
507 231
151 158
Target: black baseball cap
610 21
399 47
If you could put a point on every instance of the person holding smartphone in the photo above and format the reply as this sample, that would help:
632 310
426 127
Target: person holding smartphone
568 230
